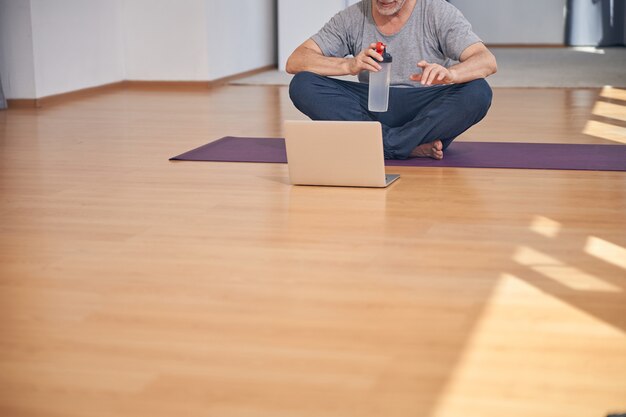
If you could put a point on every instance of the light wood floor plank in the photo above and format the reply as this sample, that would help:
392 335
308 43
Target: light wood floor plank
135 286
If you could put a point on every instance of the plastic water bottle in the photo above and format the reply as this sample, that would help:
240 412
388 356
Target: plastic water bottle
379 82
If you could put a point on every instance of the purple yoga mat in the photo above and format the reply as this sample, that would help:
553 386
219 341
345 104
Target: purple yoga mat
459 154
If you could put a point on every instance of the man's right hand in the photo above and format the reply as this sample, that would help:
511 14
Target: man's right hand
366 60
309 57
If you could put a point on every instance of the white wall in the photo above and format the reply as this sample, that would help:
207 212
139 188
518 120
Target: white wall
515 21
196 40
299 20
165 39
76 44
50 47
242 35
16 49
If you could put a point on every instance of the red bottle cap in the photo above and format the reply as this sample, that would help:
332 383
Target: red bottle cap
380 48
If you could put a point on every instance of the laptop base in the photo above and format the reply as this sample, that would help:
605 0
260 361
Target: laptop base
389 178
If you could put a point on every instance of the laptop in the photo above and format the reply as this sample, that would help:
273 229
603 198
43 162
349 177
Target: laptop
336 153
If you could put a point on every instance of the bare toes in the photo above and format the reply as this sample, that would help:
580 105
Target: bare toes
429 150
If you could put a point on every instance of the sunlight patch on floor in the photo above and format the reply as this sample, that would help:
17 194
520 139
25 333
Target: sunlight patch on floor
529 257
566 275
610 110
518 365
575 279
545 226
605 131
607 251
614 93
589 50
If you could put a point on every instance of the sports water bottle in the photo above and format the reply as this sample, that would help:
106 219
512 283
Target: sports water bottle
379 82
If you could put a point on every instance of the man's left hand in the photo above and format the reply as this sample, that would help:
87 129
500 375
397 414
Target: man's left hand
433 74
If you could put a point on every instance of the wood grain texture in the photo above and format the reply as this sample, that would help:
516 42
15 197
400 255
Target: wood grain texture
135 286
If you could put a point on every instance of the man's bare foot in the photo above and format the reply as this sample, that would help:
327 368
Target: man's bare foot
428 150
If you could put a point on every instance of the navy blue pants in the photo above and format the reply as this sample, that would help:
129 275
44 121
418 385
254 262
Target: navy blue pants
415 115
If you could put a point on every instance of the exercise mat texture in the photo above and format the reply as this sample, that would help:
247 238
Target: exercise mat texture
459 154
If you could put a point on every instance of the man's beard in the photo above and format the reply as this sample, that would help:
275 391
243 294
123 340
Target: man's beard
394 6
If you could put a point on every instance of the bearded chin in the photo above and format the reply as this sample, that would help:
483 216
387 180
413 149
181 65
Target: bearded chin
390 11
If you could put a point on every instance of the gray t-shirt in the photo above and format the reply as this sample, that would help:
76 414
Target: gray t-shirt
436 32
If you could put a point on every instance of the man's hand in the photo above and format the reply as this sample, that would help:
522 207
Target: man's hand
475 62
366 60
433 74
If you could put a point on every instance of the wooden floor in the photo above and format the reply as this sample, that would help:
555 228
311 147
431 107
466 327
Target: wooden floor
133 286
